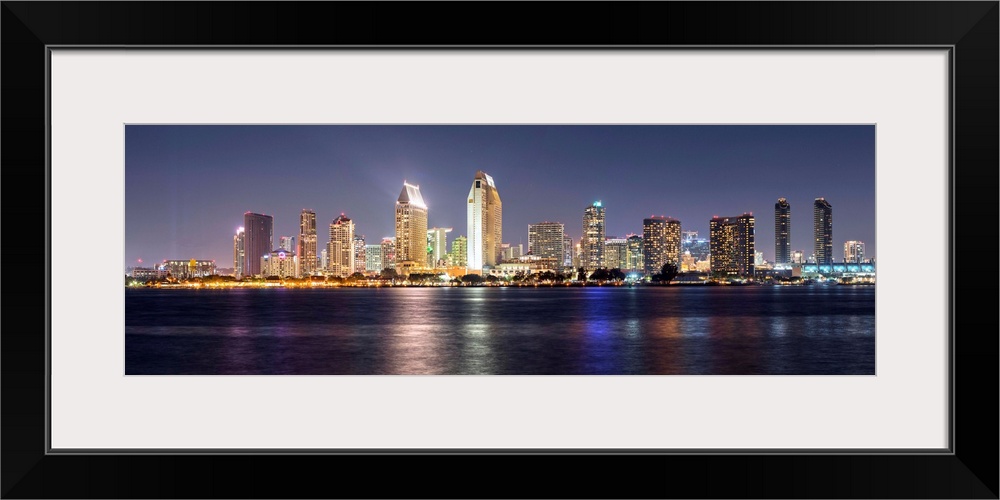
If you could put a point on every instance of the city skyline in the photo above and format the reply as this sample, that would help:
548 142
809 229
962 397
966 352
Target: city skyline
547 173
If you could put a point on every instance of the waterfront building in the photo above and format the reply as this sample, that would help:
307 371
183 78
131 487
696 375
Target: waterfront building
287 243
307 243
758 259
485 223
823 231
458 257
577 256
259 241
279 262
782 232
239 242
854 252
189 268
359 253
732 245
661 243
411 228
147 273
437 246
512 252
546 240
634 254
340 248
593 237
388 253
567 251
616 253
373 258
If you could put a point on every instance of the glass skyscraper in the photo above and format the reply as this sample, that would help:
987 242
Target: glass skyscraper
485 223
782 232
306 245
823 231
731 240
592 244
411 228
258 242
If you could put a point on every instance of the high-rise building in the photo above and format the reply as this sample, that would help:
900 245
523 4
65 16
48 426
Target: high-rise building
388 253
437 244
411 228
239 240
731 240
459 255
324 259
782 232
567 251
546 240
287 243
634 255
307 246
513 252
259 241
359 253
340 249
592 243
823 231
661 243
616 253
798 257
485 223
373 258
854 252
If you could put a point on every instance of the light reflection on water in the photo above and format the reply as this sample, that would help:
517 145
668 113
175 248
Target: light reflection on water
674 330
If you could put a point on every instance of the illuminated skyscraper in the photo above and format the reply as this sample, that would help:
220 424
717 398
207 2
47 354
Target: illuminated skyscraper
823 231
459 254
373 258
359 253
592 243
437 241
568 250
388 253
782 232
661 243
259 241
731 240
411 228
307 246
485 223
854 252
634 256
616 253
239 240
546 240
287 243
340 249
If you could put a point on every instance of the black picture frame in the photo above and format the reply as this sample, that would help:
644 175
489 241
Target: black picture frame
970 29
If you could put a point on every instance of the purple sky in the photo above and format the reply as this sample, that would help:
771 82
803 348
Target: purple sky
187 186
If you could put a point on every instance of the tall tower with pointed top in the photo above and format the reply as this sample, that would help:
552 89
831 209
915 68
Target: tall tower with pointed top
411 228
485 223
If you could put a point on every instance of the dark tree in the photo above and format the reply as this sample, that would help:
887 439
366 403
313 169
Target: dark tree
581 274
472 278
617 274
356 277
667 273
389 274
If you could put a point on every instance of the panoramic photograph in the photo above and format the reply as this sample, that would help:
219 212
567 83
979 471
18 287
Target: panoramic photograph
500 250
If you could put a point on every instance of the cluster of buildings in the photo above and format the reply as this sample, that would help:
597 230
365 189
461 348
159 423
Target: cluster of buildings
729 251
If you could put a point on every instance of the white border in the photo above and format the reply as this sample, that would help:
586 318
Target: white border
904 92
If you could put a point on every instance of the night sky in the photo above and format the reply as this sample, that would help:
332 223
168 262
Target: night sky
187 186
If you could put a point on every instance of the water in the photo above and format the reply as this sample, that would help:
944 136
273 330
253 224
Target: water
524 331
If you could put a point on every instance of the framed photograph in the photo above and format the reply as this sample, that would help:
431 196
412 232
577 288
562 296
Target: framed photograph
728 252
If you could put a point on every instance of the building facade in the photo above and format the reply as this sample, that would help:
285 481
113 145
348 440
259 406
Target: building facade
287 243
340 249
411 228
459 254
360 257
239 251
616 253
568 251
437 245
661 243
592 243
634 257
485 223
373 258
823 231
854 252
782 232
731 240
280 263
189 268
259 241
388 253
547 240
307 243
